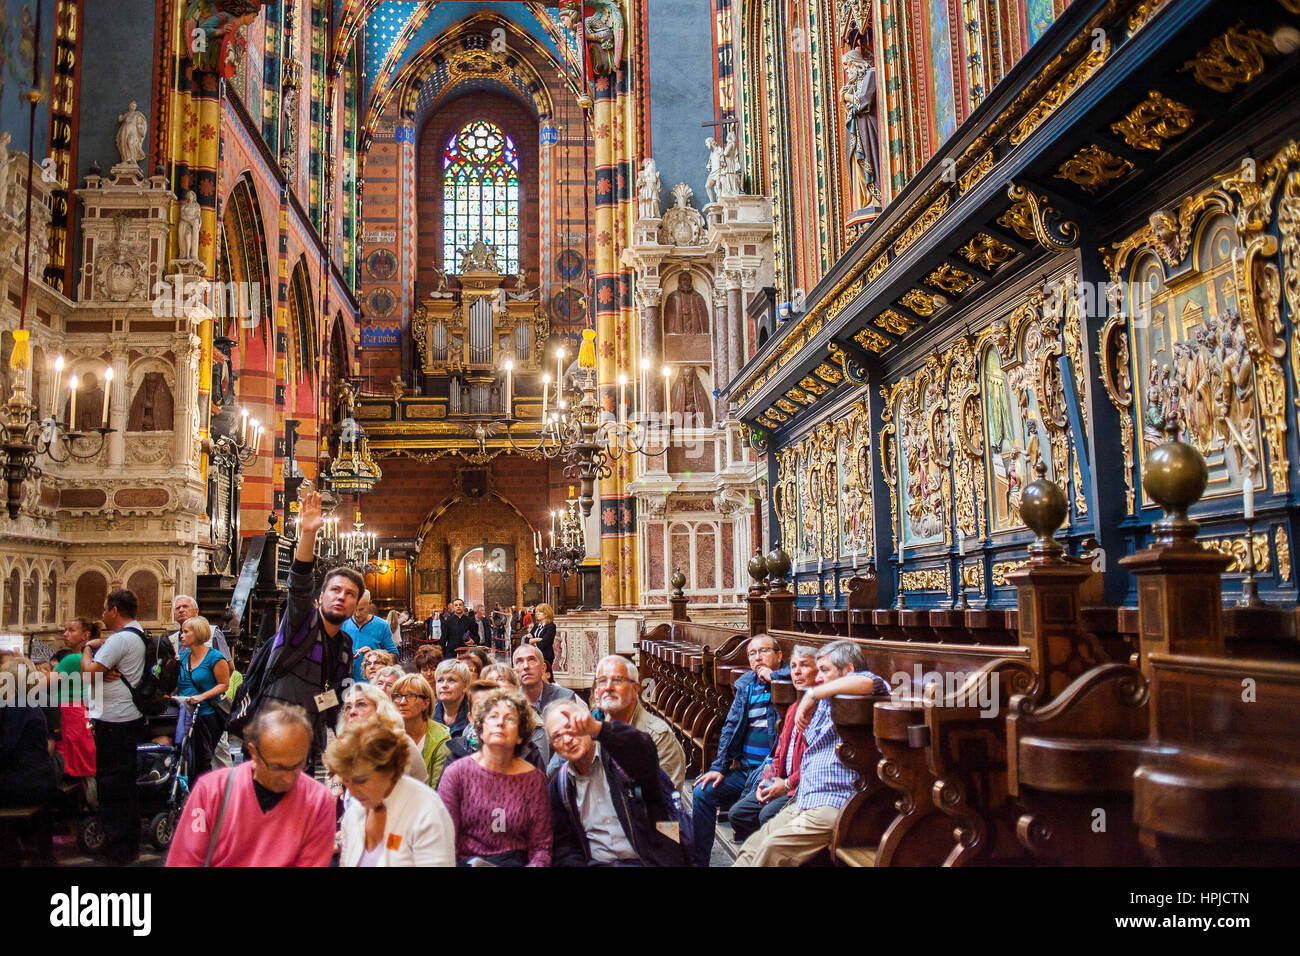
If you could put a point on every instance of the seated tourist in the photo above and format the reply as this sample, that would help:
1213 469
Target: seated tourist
467 743
367 700
779 776
475 658
427 660
275 815
530 667
743 746
616 691
29 776
607 796
388 676
373 661
497 800
392 819
804 827
452 708
414 699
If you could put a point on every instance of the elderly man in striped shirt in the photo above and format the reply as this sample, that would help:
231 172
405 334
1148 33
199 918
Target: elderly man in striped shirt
804 827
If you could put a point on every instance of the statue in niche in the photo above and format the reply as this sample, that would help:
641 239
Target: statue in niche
648 185
686 312
187 227
811 509
152 408
90 404
691 398
861 124
130 135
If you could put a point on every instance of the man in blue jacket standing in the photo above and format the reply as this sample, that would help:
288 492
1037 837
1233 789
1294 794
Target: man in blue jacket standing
368 633
746 740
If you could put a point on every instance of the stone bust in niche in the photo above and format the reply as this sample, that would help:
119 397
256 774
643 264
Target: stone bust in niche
152 408
690 398
686 312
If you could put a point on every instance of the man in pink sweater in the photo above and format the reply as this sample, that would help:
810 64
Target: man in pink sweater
274 814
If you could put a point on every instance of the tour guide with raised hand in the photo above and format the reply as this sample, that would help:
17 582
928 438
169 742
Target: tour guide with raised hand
311 654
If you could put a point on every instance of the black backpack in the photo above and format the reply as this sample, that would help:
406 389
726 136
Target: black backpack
158 680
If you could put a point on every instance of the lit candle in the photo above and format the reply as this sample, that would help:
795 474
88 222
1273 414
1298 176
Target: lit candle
243 426
559 373
1248 498
902 550
54 396
510 367
72 403
108 390
555 518
819 564
552 539
668 401
257 441
546 385
622 404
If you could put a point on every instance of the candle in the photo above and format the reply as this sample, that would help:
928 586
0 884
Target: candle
546 385
257 441
552 539
555 518
668 400
510 367
622 404
961 544
54 396
72 403
1248 498
108 390
643 401
243 426
856 553
559 373
819 564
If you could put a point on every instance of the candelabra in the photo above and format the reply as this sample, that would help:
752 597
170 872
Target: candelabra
576 430
564 558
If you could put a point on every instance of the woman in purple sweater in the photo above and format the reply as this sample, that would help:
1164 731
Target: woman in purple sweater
498 801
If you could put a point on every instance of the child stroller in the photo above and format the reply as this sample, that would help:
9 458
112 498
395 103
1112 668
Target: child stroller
162 782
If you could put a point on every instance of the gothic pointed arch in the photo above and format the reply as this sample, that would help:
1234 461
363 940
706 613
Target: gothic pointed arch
243 259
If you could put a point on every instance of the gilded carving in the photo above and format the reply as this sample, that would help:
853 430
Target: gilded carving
892 321
774 415
806 587
977 172
854 456
922 225
1142 13
950 279
1060 92
1153 121
1002 568
968 424
926 447
971 577
1235 548
986 252
1092 168
1033 219
796 395
1282 543
871 340
878 267
829 374
787 406
922 303
927 579
1232 58
811 384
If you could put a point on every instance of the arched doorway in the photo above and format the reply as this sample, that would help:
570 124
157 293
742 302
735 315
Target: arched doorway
486 576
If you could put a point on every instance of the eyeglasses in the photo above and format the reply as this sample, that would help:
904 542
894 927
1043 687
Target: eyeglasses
612 681
398 698
275 767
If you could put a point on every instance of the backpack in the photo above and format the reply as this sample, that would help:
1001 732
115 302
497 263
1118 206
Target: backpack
159 677
260 675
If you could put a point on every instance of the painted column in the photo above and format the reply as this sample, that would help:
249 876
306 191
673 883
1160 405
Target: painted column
119 397
721 325
736 319
652 345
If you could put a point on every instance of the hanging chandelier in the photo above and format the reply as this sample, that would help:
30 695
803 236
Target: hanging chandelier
573 427
564 557
353 471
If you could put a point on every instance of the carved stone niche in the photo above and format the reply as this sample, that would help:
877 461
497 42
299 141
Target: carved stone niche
125 227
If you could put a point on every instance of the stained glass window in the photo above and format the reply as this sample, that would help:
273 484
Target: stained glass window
480 198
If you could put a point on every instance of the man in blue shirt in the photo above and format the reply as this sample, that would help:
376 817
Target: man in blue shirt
744 744
804 826
368 633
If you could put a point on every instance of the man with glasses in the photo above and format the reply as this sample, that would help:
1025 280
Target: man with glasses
607 805
269 813
616 691
743 746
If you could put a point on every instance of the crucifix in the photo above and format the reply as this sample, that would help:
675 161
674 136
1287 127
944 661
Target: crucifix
724 124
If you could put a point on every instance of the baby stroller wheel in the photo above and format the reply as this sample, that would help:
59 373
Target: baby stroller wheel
90 834
162 828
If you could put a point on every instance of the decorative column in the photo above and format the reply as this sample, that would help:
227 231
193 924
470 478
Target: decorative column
721 323
736 316
652 342
185 412
119 398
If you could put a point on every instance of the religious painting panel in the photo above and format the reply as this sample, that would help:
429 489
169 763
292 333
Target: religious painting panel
691 386
925 453
854 460
1192 363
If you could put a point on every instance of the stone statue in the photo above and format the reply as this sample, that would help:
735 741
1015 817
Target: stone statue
729 175
603 29
686 312
130 135
648 185
4 170
683 225
691 399
187 228
151 409
717 160
859 97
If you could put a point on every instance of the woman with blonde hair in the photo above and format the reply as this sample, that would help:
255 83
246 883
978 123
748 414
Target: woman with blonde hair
497 800
450 680
366 700
203 679
544 635
414 699
374 661
392 820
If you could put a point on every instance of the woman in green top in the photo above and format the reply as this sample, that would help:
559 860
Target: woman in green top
78 743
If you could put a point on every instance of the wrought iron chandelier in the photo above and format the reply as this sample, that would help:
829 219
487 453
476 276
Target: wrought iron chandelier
564 557
576 430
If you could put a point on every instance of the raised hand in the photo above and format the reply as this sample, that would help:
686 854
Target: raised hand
310 519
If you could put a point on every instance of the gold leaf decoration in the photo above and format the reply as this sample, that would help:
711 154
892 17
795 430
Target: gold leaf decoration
1153 121
986 252
950 279
1092 168
829 374
922 303
812 385
872 341
1232 58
